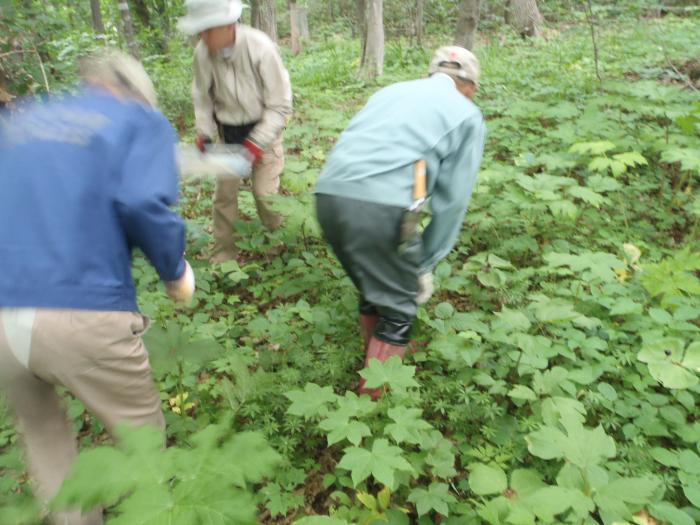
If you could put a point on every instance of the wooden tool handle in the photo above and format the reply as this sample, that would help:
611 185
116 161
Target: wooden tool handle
420 180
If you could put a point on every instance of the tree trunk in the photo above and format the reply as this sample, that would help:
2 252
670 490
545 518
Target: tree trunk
141 11
467 23
128 28
525 17
373 65
264 17
362 25
97 23
294 28
303 16
5 96
420 10
254 13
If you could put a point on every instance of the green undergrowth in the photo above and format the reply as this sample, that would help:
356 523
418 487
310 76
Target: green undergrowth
556 377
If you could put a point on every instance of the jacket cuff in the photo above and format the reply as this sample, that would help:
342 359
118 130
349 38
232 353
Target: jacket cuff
179 271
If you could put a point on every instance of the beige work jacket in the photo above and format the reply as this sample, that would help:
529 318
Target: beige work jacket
244 83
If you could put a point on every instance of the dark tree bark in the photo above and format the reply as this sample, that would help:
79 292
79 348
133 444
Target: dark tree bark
128 28
141 12
362 26
96 12
420 23
467 23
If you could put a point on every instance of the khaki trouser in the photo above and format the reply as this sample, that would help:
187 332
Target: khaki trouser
266 181
99 357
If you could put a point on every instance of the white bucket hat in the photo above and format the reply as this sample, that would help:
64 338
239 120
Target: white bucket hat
205 14
457 62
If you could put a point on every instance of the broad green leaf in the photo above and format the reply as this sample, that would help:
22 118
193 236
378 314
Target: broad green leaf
512 320
691 358
437 497
168 346
668 513
444 310
381 462
692 492
667 358
367 500
310 402
563 208
525 482
486 479
689 461
614 496
601 183
522 392
664 456
391 372
353 405
631 158
579 445
688 158
547 502
339 427
587 195
408 425
554 310
626 306
594 148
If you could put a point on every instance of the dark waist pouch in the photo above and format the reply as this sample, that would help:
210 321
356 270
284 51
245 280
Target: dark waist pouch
235 134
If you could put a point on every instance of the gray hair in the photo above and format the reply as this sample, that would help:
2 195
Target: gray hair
119 71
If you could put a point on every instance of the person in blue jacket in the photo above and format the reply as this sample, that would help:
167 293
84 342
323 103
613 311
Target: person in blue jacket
84 179
368 184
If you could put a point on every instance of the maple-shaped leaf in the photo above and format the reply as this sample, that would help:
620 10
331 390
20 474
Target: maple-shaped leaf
311 401
631 158
353 405
339 427
437 497
587 195
391 372
408 425
578 445
382 462
594 148
167 346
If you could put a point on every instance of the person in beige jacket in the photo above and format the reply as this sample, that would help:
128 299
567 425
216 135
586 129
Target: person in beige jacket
242 94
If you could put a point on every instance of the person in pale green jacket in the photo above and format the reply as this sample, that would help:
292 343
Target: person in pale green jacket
367 186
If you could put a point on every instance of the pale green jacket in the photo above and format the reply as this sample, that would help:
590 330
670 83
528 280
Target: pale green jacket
374 157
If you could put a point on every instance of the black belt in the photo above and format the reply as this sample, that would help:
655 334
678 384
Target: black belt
235 134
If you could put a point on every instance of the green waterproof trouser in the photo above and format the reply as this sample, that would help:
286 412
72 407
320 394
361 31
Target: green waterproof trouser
365 239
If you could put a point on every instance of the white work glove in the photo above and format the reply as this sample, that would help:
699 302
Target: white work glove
425 287
182 289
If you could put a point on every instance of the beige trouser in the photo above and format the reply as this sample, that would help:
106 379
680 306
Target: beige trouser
266 181
99 357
